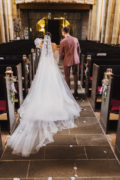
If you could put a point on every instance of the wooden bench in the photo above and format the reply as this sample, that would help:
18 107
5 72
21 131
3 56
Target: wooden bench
5 103
95 49
10 103
117 144
17 47
110 103
82 70
27 74
98 75
99 61
34 59
38 53
18 73
1 147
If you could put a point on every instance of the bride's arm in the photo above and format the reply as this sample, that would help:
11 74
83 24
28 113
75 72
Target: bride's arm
55 52
54 47
56 55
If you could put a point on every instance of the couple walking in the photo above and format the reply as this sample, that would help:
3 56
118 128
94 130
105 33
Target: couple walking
49 106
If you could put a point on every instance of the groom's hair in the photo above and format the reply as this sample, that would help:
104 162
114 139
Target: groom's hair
49 34
66 29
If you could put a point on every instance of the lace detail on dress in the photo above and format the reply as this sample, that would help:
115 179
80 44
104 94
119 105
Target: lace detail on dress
47 48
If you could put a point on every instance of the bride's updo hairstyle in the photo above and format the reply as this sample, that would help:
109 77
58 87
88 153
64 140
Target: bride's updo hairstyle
48 34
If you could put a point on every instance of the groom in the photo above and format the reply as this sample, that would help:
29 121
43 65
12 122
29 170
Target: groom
70 52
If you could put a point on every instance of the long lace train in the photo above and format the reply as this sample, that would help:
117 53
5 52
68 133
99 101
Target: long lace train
48 108
30 137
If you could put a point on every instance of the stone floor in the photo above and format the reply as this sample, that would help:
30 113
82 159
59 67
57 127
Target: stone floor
80 153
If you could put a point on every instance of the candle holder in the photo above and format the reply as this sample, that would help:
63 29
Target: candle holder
9 71
109 70
32 50
24 57
108 73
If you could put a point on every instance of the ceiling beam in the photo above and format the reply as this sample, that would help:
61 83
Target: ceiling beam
54 6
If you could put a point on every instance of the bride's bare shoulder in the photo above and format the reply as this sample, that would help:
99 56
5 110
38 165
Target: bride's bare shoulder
54 46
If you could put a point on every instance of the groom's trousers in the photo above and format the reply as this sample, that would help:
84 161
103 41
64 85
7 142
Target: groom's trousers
75 75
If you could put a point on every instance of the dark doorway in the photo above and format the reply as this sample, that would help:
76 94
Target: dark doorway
54 29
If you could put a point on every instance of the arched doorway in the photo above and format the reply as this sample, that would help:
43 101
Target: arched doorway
52 25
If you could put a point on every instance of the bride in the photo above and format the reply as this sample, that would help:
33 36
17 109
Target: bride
48 108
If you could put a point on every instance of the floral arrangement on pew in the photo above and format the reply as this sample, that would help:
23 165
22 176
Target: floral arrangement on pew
86 71
27 62
106 83
33 54
87 68
13 79
38 52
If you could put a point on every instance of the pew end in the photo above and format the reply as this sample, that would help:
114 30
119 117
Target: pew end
97 77
88 67
108 104
8 90
94 86
1 146
82 69
105 106
117 144
10 99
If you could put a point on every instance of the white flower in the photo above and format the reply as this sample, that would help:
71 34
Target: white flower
72 178
37 42
75 168
49 178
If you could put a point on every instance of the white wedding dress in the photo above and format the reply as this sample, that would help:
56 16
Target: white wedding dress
48 108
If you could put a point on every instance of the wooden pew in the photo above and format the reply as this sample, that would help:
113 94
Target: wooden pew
14 61
34 59
17 47
82 69
30 65
117 144
10 59
4 94
12 118
20 87
99 61
27 74
10 104
38 53
95 49
110 103
1 147
18 73
98 75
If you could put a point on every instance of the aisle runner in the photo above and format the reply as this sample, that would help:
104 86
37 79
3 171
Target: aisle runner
80 153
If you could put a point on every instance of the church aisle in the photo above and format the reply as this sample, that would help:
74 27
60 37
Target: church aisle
83 152
80 153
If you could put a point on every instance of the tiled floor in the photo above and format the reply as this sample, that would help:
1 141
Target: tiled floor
82 153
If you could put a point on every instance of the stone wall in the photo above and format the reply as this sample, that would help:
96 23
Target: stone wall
78 20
